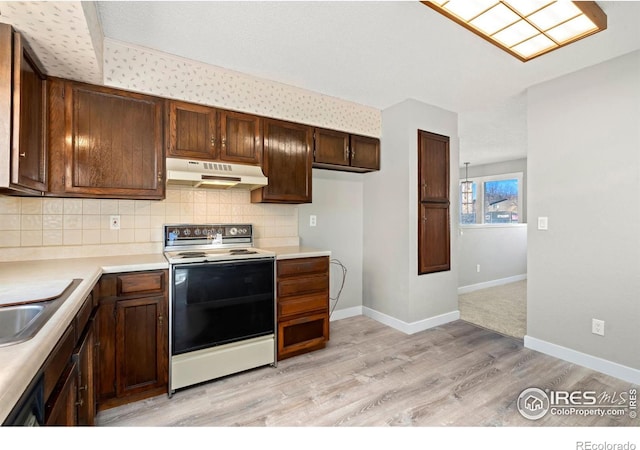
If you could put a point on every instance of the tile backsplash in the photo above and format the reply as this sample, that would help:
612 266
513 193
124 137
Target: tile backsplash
37 228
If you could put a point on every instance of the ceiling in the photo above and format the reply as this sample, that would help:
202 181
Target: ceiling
374 53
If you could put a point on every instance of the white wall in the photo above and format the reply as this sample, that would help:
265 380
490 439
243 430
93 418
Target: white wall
584 175
338 207
392 286
501 252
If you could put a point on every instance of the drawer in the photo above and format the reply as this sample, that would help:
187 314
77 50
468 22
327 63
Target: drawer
302 335
300 305
302 266
303 285
140 283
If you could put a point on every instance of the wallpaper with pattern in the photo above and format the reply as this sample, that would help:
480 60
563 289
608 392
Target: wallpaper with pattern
145 70
59 34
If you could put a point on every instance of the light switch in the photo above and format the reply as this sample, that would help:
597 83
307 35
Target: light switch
543 223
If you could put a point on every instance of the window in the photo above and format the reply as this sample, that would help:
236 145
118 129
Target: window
491 200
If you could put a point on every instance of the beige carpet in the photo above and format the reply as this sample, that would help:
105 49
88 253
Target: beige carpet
501 308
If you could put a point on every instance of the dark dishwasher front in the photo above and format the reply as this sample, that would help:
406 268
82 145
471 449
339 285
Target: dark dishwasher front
29 411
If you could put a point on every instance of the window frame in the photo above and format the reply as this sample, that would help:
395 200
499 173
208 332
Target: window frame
519 176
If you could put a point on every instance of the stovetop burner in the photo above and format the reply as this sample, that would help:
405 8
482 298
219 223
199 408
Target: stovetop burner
191 254
242 251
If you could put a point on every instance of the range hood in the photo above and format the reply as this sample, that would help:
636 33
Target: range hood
214 175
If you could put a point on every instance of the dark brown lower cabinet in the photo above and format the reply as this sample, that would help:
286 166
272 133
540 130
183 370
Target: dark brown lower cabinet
84 356
69 373
433 238
132 337
303 305
61 408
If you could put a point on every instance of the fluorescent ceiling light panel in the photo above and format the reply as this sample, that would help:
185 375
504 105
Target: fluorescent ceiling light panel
495 19
516 33
554 14
526 7
468 9
534 46
567 30
525 28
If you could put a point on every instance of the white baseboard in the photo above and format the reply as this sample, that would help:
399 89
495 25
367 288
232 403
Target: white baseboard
413 327
492 283
345 313
616 370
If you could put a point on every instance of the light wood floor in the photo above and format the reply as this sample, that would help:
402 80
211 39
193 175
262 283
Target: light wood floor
372 375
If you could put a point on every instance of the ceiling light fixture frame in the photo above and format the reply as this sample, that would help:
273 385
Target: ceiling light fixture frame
590 9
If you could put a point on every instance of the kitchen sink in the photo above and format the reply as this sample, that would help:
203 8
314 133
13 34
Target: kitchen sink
20 323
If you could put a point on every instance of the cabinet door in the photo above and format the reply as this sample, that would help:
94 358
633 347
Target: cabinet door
141 345
331 147
192 131
22 107
240 138
84 358
433 170
287 163
28 153
61 406
105 328
365 152
114 143
433 238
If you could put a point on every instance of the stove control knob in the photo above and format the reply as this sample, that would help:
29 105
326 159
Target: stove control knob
220 231
187 232
233 231
197 232
176 232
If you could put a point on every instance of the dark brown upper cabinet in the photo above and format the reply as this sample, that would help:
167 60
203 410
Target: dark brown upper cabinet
240 138
434 241
192 131
331 148
365 153
105 142
286 163
434 167
23 157
337 150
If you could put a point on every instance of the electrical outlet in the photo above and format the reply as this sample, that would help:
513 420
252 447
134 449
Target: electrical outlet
114 222
312 220
597 327
478 268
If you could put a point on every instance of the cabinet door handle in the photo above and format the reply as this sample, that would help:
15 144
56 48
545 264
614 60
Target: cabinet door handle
353 154
160 319
346 154
80 403
83 388
213 140
224 142
23 155
424 217
159 176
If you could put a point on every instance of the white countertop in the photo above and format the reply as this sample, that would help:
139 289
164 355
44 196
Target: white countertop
19 363
297 252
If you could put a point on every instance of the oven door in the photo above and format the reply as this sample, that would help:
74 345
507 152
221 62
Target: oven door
215 303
